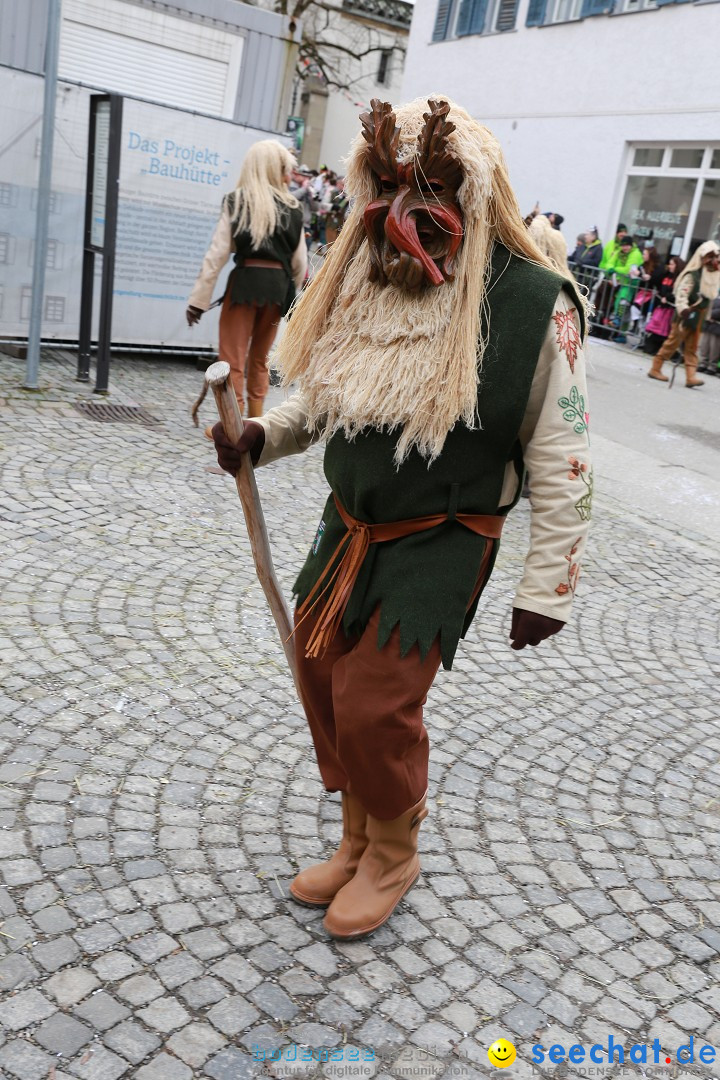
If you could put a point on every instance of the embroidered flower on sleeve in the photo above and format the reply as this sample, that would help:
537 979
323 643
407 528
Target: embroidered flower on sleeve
581 470
573 572
568 335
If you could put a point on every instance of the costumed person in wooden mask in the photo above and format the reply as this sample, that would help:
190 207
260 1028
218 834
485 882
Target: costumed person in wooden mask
437 354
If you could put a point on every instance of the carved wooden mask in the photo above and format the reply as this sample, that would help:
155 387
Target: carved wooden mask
415 225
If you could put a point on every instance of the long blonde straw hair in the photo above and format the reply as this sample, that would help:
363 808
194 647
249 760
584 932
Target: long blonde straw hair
344 333
262 189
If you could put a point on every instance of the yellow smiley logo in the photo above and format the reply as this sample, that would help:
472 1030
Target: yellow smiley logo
501 1054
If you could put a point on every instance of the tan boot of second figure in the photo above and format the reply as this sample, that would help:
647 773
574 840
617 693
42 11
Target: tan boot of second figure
316 886
389 868
655 371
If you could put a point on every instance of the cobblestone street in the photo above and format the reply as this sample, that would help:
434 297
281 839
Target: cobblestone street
158 789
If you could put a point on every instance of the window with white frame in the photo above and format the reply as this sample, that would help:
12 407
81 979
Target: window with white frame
25 302
55 308
54 255
54 201
8 194
559 11
672 196
624 7
384 71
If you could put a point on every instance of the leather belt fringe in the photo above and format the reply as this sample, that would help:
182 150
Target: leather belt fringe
356 543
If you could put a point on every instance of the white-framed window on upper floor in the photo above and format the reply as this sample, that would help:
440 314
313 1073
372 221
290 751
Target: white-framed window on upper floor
558 11
384 71
461 18
8 194
625 7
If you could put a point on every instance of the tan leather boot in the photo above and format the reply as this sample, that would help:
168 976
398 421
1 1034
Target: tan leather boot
690 377
389 868
317 885
255 407
655 371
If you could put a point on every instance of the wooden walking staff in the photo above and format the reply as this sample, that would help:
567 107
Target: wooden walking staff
217 378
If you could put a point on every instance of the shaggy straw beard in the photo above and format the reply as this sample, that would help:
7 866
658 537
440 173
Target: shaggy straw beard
391 359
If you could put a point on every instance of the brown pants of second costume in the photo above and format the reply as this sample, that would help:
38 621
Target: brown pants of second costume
680 335
364 706
246 336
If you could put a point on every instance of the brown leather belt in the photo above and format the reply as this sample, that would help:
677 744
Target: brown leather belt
356 542
264 264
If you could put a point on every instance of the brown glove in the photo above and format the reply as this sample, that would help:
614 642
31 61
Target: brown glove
229 453
529 628
194 315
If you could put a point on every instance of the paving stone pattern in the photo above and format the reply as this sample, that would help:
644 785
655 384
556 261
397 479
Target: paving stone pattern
158 790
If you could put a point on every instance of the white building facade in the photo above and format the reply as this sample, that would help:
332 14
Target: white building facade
607 111
371 39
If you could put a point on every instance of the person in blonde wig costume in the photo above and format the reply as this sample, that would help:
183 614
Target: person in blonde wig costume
550 242
261 225
437 353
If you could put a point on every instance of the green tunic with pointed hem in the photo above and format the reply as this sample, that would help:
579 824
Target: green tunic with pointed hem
425 582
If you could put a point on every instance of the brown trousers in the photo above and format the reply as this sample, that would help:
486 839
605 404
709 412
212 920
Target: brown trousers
246 336
364 706
681 335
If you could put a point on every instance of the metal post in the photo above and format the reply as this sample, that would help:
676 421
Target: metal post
102 370
52 48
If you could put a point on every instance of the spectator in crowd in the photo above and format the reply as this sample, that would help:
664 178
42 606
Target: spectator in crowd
616 291
695 290
586 257
657 327
709 350
651 275
261 225
626 273
589 250
301 188
612 247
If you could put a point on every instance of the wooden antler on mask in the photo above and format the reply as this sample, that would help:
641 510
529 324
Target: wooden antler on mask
434 158
382 136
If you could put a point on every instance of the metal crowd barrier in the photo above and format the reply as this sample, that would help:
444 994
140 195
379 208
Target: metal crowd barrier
622 305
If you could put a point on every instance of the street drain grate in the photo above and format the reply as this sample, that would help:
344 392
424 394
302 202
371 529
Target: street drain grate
116 414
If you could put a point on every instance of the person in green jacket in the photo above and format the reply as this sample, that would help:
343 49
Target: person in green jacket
612 247
625 269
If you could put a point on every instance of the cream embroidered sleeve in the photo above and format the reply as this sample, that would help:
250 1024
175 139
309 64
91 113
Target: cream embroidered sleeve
217 255
556 447
285 431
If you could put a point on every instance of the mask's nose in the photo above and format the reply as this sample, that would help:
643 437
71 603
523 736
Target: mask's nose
401 231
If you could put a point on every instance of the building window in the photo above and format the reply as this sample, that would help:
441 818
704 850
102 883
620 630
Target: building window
383 72
467 17
2 298
625 7
25 303
649 157
4 249
563 11
55 308
54 255
54 201
672 197
8 194
682 158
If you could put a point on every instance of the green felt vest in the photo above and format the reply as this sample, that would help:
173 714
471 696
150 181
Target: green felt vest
425 582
